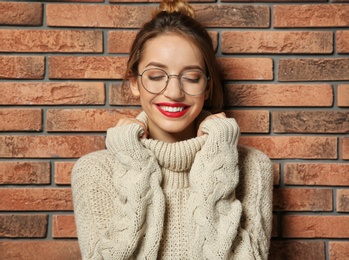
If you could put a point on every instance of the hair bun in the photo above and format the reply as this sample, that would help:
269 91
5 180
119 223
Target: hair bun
172 6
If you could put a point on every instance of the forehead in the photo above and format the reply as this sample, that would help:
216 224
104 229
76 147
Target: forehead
172 50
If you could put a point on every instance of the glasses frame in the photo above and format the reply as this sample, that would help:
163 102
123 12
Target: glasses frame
179 76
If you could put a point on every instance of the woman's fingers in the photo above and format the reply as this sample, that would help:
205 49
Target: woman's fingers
219 115
128 121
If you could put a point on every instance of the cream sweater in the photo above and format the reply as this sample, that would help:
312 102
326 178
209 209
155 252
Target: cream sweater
203 198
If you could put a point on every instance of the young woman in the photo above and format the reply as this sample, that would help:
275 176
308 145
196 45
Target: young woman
173 183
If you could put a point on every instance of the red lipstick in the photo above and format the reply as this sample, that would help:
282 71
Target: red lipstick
173 110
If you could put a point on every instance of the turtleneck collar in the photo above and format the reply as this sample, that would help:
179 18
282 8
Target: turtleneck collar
177 157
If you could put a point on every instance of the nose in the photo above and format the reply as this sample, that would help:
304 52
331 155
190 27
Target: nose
173 89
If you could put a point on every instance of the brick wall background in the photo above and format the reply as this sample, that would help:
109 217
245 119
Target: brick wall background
286 70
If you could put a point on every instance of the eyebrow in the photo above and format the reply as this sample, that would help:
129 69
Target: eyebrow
163 66
156 64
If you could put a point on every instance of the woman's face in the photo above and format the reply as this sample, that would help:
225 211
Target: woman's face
171 113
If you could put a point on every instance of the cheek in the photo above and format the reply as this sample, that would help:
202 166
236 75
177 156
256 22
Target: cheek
203 97
145 97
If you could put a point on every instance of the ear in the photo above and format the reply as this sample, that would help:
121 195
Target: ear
134 86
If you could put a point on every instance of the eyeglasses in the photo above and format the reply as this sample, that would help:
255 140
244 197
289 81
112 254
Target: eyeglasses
191 82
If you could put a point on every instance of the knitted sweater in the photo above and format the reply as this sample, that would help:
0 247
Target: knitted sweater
203 198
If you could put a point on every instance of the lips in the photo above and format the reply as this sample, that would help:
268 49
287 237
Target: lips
173 110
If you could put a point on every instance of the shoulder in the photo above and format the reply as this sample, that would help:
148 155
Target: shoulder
98 157
250 153
95 165
255 178
254 161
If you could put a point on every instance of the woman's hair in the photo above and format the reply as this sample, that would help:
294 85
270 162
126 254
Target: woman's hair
178 17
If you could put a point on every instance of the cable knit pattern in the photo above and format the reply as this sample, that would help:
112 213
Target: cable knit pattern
213 207
203 198
138 187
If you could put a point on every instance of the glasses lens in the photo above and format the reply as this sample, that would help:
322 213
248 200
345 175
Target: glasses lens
193 82
154 80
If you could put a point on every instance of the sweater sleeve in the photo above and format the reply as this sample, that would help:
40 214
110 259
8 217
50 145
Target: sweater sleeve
119 200
92 187
221 229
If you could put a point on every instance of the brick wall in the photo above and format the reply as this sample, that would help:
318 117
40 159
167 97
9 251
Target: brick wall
286 70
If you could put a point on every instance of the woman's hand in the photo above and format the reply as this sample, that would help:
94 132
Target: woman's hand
219 115
127 121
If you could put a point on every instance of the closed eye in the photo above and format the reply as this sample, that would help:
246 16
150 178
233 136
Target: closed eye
156 78
191 80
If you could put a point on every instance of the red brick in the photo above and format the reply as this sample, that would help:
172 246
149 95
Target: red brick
155 1
90 15
297 249
313 69
343 95
291 147
277 42
120 94
274 1
324 15
315 226
274 230
251 121
40 250
121 41
276 170
50 41
214 37
49 146
85 120
295 95
24 172
63 172
22 67
339 250
246 68
342 41
13 13
342 200
213 15
20 119
310 121
233 16
301 199
87 67
344 141
326 174
63 226
82 1
62 93
33 199
102 119
15 226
